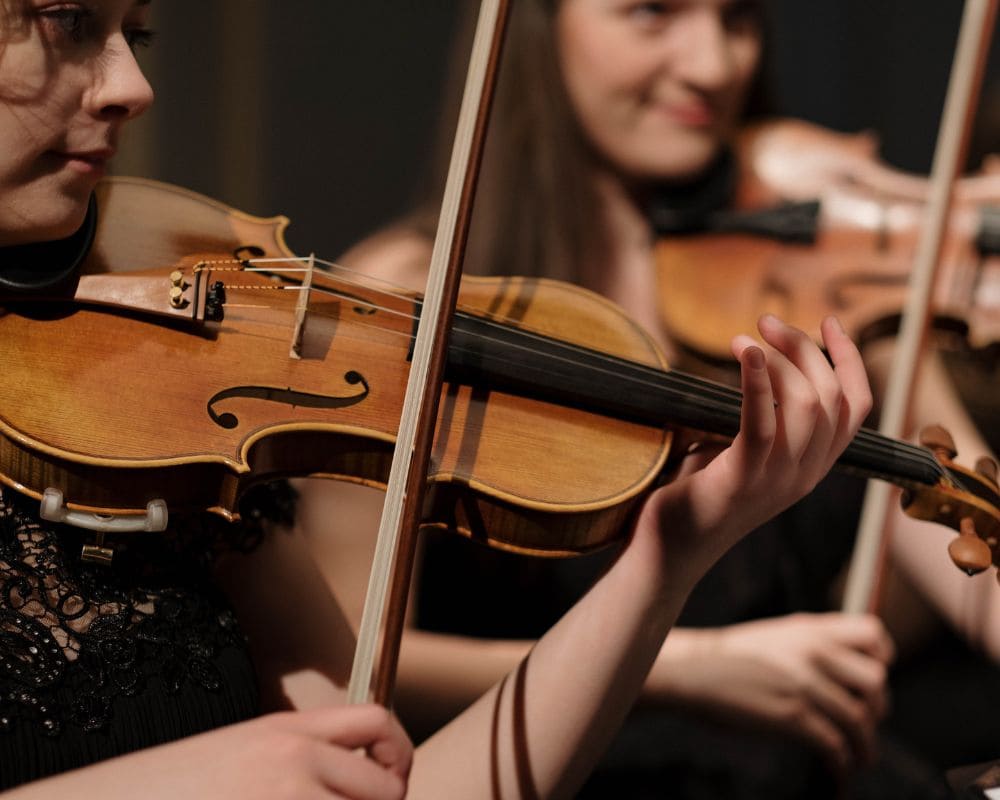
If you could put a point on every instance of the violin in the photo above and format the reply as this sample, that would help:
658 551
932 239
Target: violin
818 226
231 361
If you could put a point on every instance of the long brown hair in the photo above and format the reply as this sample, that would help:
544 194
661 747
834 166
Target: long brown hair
535 205
537 212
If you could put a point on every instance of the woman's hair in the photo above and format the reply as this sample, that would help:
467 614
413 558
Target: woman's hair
535 204
15 27
7 31
536 208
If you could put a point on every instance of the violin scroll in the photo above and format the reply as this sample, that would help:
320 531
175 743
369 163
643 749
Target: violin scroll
967 501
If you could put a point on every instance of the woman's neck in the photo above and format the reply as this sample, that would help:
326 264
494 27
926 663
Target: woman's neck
628 276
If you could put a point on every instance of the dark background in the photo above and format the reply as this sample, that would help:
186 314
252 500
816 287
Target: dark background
325 111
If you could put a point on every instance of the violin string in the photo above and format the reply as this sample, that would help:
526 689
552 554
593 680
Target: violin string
656 375
399 293
395 291
347 276
869 442
355 278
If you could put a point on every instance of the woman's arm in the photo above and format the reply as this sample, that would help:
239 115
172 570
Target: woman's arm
289 756
539 731
819 678
302 646
970 605
543 727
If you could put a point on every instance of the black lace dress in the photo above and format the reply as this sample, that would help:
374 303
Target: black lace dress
99 661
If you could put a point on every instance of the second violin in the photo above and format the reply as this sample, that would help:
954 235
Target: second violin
834 232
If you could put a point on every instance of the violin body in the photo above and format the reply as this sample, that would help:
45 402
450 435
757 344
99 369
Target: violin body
144 224
115 407
190 381
716 285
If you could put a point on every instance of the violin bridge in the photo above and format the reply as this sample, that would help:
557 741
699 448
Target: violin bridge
301 308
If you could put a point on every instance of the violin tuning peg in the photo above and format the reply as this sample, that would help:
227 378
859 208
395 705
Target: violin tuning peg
939 441
988 468
970 553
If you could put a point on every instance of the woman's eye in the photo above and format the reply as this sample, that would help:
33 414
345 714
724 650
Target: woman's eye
68 21
652 9
139 37
651 15
743 16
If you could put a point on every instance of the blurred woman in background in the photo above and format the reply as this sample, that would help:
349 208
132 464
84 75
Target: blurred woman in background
605 107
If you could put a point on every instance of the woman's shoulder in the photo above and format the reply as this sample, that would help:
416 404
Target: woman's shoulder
399 254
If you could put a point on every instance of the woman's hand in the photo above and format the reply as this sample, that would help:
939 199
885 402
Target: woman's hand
799 413
348 752
554 716
818 677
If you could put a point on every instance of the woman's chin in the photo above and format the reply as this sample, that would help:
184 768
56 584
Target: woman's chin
20 228
679 169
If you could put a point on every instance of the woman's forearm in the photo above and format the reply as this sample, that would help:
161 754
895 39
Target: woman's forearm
546 724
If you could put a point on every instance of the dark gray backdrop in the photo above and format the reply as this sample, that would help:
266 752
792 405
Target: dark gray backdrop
324 111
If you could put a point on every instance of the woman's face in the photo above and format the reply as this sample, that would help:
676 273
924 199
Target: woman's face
68 82
657 86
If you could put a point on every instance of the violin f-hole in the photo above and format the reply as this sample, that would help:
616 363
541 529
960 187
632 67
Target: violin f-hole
286 396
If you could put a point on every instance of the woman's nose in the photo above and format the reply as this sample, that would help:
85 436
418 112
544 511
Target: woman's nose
120 89
705 61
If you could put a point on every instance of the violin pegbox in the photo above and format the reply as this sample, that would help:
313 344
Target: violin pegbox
965 500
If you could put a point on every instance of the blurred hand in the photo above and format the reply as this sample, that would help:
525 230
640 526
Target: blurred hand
818 677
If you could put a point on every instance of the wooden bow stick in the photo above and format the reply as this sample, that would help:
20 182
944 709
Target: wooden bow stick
389 582
861 593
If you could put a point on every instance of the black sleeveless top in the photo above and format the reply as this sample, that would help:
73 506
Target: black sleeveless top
100 661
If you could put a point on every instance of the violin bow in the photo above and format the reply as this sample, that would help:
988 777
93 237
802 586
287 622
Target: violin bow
389 581
868 559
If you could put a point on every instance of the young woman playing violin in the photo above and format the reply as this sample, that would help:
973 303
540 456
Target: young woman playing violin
134 680
603 103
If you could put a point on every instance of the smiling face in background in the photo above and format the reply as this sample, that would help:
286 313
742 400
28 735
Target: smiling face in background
658 86
68 82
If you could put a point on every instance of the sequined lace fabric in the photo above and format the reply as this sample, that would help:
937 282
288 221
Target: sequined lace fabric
93 655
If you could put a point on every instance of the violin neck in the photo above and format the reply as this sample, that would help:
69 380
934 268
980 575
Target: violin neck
508 359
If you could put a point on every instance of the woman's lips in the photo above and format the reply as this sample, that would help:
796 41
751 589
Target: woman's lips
85 162
696 115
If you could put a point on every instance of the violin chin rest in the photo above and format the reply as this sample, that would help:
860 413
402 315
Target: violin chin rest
44 266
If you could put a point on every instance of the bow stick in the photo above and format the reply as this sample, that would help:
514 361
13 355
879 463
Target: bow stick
867 560
392 565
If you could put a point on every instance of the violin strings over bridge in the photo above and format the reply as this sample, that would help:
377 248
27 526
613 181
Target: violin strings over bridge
216 298
295 351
